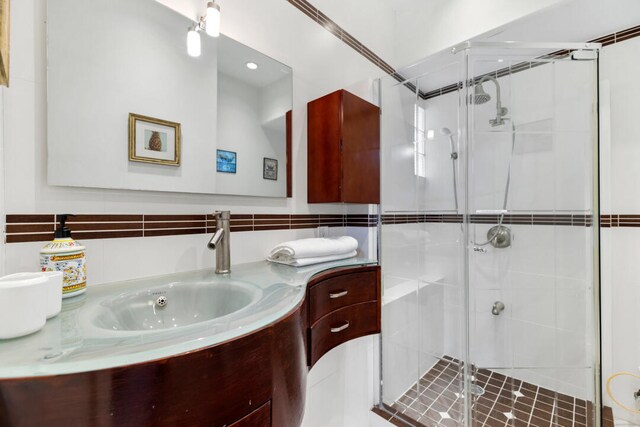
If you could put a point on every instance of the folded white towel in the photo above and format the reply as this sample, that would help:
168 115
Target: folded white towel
313 248
301 262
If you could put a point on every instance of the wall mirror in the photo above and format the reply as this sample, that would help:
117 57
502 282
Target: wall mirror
128 108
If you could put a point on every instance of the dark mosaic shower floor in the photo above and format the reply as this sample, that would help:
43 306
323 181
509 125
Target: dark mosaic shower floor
435 401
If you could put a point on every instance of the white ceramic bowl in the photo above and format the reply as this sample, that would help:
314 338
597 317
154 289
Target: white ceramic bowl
54 292
23 304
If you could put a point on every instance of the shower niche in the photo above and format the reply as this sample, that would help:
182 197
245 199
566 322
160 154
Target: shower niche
489 247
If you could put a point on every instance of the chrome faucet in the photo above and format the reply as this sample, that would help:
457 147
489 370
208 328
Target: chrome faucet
221 242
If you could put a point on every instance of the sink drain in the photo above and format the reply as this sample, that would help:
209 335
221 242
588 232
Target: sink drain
161 301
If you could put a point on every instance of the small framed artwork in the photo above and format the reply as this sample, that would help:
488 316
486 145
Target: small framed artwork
270 169
4 42
153 140
226 161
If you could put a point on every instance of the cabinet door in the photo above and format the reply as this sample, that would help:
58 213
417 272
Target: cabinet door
360 150
324 166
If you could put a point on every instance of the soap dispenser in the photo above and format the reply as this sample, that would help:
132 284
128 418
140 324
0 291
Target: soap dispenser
66 255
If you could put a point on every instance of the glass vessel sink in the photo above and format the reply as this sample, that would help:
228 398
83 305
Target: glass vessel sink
175 305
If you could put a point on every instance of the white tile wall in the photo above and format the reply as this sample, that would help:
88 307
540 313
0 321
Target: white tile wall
619 156
544 278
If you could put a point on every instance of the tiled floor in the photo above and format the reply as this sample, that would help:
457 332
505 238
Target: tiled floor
506 402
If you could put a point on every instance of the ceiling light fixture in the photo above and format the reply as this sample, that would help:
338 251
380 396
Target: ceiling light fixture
252 65
209 23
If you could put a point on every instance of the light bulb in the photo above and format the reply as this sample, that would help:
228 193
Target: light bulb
193 43
213 19
252 65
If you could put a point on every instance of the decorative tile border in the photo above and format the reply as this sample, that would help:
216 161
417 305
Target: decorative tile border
579 220
619 221
328 24
40 227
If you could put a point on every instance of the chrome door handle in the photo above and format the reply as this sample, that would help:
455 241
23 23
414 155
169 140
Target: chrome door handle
338 294
340 328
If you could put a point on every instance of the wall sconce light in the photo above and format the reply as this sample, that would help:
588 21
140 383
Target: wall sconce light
194 47
209 23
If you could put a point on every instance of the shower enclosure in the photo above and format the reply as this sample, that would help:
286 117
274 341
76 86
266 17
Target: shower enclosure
489 237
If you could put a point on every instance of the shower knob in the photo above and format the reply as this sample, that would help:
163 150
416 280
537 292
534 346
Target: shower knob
497 308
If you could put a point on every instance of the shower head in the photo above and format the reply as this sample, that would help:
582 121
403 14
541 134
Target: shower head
445 131
480 96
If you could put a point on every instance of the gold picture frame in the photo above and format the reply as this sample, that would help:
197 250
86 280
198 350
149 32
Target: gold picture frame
4 42
154 140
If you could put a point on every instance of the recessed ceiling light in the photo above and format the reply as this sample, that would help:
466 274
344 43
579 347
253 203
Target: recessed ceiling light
252 65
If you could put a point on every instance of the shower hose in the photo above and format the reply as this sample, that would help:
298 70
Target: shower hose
506 190
610 393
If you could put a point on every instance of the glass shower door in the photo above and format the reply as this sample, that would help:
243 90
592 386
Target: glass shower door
488 238
532 304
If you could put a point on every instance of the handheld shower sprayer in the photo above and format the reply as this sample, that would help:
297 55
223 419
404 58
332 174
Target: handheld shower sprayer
454 157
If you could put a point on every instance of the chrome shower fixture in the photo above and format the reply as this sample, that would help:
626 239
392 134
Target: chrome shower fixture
454 156
480 96
447 132
499 236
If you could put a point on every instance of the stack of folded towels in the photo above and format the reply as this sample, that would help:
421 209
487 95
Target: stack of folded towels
299 253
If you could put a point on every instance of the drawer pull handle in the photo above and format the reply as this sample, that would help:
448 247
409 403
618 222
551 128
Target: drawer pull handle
338 294
340 328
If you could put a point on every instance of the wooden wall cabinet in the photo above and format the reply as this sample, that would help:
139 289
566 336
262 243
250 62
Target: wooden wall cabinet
343 140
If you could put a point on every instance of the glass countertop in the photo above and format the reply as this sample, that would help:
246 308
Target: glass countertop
77 341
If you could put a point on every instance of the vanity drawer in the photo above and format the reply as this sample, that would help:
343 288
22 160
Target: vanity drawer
343 325
340 291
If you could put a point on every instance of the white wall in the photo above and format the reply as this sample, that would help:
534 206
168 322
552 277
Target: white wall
423 28
2 180
620 155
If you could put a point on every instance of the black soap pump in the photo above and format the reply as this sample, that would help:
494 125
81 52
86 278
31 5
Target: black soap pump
62 232
66 255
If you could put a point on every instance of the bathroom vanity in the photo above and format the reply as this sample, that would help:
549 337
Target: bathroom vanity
189 349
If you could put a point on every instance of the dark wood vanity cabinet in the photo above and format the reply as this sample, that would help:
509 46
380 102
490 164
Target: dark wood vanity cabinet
261 417
255 380
343 140
343 304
